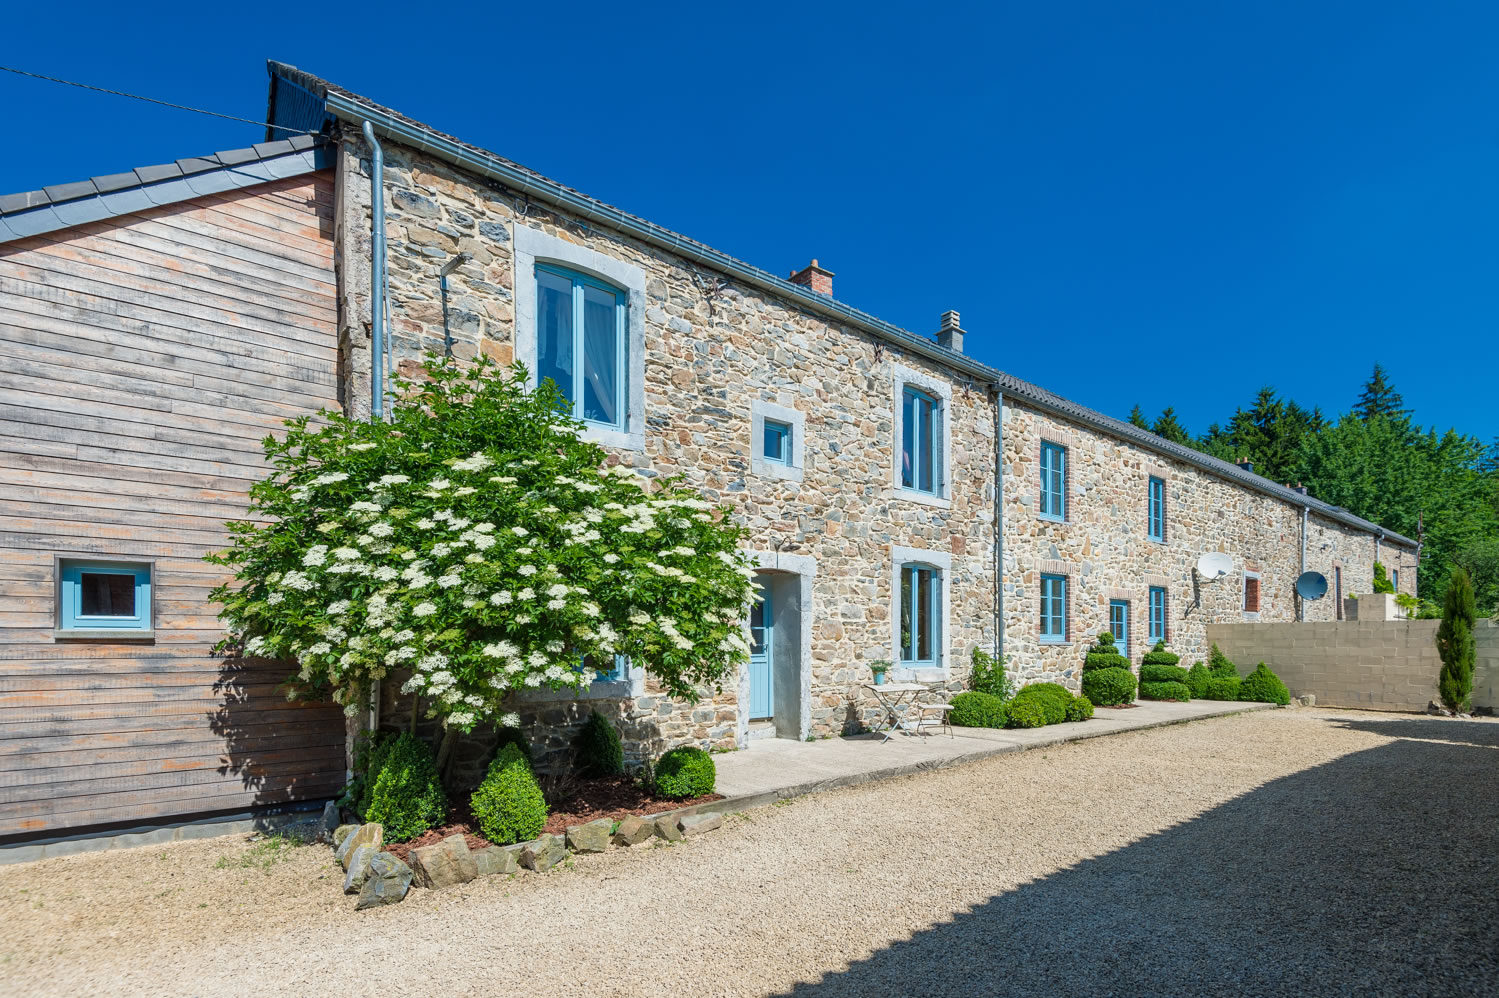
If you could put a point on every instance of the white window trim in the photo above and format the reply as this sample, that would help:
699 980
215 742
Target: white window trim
1243 587
900 557
941 389
533 246
759 465
632 684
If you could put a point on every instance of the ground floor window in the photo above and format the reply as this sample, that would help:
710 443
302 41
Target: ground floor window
1119 624
920 615
1054 608
100 596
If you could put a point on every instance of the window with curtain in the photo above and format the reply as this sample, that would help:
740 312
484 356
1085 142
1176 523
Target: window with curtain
1053 608
920 615
1156 510
1157 630
581 342
1119 624
921 442
1053 481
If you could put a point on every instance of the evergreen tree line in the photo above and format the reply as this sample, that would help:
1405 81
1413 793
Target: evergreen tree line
1376 462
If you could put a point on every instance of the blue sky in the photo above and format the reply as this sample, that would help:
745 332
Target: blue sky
1169 204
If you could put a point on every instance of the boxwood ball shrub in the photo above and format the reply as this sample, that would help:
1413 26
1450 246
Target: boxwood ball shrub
1026 713
1107 679
1222 688
1197 679
1052 697
977 710
1151 672
1080 709
509 805
1264 686
1165 691
599 750
1219 665
404 791
685 772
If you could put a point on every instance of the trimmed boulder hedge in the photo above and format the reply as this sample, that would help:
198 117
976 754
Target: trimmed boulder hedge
1222 688
508 805
1107 679
1264 686
685 772
1028 713
1053 699
976 709
1161 678
1166 690
1080 709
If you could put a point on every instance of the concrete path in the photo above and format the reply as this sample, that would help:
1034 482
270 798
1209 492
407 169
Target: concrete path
779 767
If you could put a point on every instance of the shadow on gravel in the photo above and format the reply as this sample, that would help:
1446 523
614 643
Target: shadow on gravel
1373 874
1435 729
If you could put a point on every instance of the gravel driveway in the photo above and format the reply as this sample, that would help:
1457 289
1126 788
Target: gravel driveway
1277 853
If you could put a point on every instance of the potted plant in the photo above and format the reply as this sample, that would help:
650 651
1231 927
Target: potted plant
879 667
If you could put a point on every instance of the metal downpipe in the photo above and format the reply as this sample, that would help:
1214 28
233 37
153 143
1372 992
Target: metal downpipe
377 274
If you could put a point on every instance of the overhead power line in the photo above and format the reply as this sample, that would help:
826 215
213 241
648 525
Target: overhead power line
153 100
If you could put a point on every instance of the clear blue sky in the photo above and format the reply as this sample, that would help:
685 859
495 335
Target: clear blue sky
1168 203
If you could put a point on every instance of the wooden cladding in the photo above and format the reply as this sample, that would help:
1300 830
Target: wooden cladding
142 360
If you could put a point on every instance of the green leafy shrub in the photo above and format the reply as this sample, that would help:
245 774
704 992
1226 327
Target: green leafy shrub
1080 709
1264 686
988 675
1108 687
599 750
1219 666
1197 679
1165 691
513 736
1026 713
1382 583
404 790
1222 688
1052 697
1160 656
976 709
1104 654
509 805
1455 643
1152 672
685 772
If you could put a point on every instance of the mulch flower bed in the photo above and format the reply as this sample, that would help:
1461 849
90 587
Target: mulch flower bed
613 797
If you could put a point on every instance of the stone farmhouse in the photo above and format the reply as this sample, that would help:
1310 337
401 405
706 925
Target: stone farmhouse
907 502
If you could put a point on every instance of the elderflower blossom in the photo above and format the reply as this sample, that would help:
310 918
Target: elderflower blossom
382 529
424 609
527 570
315 556
476 462
363 446
448 581
501 598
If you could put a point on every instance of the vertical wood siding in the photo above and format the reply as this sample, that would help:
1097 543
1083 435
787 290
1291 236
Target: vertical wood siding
141 362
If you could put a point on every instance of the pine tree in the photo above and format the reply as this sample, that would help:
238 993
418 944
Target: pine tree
1455 643
1167 425
1137 418
1379 398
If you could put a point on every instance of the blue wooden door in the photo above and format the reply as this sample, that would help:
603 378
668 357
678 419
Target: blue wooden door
762 675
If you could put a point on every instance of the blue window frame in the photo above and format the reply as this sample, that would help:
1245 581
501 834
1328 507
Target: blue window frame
777 443
920 615
104 596
921 442
1395 578
1053 481
581 341
618 668
1053 609
1119 624
1156 510
1157 631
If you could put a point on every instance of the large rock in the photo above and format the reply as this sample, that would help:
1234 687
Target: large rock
389 880
328 822
697 824
497 859
443 864
668 829
371 834
342 832
634 830
590 837
359 869
543 853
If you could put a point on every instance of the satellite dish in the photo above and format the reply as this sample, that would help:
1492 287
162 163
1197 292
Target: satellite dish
1311 585
1214 565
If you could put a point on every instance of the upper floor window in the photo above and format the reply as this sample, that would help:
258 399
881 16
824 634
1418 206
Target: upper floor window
1157 630
1156 510
920 615
1053 481
581 342
1053 608
777 442
921 442
94 597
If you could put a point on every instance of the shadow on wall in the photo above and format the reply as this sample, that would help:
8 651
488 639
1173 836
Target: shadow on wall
282 750
1373 874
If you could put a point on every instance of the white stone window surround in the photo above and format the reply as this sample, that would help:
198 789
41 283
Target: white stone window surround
1250 615
941 389
631 684
900 557
533 246
759 466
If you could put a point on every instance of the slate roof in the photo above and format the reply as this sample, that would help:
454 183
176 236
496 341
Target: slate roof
62 205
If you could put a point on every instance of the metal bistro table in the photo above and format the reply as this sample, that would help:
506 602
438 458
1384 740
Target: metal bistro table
893 696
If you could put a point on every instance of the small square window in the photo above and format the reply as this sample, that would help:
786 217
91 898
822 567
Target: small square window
103 597
777 444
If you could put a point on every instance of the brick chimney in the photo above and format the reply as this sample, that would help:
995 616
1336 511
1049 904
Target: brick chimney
814 277
951 334
1299 489
1246 464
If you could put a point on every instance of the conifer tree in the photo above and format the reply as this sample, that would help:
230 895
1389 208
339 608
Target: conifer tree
1379 398
1137 418
1168 426
1455 643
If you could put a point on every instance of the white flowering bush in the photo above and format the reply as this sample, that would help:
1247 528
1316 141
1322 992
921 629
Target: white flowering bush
478 542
